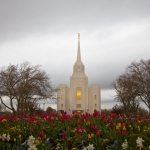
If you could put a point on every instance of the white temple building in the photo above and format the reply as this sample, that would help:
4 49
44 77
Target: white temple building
79 97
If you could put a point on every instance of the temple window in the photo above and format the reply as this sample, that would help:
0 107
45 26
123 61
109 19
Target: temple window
95 97
61 105
78 94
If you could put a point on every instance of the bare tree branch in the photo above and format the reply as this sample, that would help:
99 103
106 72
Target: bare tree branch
26 85
137 85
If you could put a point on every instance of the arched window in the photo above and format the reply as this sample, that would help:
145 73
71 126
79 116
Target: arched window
95 97
95 105
61 97
78 94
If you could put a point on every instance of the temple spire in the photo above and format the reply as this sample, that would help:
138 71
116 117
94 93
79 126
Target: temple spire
78 53
78 66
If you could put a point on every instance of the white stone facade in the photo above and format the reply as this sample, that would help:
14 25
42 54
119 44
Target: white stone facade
79 97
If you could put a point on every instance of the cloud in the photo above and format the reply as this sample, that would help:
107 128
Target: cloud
24 18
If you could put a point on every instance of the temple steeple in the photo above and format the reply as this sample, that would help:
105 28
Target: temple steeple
78 53
78 66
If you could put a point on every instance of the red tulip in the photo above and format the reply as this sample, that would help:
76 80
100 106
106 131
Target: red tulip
98 134
64 136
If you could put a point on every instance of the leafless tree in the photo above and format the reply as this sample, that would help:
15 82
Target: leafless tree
141 72
24 85
126 93
134 85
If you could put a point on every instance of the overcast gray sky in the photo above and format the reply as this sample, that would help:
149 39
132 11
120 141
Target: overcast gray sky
113 34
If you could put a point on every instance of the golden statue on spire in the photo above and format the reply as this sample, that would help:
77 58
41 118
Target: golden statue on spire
78 35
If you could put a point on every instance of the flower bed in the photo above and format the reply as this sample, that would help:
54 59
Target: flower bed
74 132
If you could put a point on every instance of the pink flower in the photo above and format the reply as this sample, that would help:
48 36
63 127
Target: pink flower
118 131
37 122
98 134
124 124
105 120
79 136
41 133
78 130
31 130
64 136
26 116
124 132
